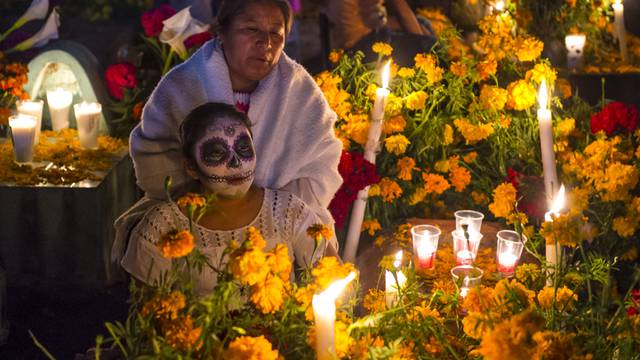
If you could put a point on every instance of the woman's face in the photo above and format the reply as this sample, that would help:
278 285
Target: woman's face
253 43
225 158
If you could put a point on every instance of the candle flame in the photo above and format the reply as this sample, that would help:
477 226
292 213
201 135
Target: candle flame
499 5
398 260
618 2
557 205
543 95
335 289
385 74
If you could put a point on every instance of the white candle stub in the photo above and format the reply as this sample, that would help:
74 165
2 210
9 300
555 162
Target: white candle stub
23 132
88 123
392 287
33 108
59 101
575 47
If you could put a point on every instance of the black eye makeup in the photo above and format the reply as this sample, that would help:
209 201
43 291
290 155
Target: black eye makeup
244 147
214 152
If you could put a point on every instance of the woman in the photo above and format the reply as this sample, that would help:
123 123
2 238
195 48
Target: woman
245 66
219 155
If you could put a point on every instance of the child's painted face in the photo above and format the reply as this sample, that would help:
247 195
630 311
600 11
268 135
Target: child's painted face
225 158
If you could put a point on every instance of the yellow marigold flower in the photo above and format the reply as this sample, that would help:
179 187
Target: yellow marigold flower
269 295
522 95
394 105
374 190
553 345
356 127
477 324
564 127
319 232
251 348
370 226
389 190
504 200
442 166
487 68
564 87
479 198
618 180
328 270
404 167
542 71
255 239
528 273
164 306
447 135
459 177
418 196
415 100
624 226
504 121
192 199
479 299
579 199
396 144
459 69
176 244
382 48
250 266
529 49
567 230
493 98
470 157
405 72
511 339
506 291
370 91
473 133
374 301
335 55
435 183
180 333
423 311
279 261
304 296
428 64
564 298
394 124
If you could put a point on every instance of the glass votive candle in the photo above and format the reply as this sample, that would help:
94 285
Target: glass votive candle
575 46
59 101
23 132
508 251
471 218
88 123
425 244
33 108
466 277
465 249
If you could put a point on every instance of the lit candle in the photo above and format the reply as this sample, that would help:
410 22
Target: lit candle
546 143
23 132
465 246
88 123
33 108
575 46
464 257
620 32
466 277
508 249
59 101
373 139
426 256
553 251
507 264
425 244
324 312
392 286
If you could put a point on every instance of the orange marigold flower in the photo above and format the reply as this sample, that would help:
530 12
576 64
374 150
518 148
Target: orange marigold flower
176 244
251 348
319 232
487 68
382 48
279 261
269 295
428 64
328 270
335 55
522 95
370 226
459 69
164 306
529 49
404 167
180 333
435 183
394 124
504 200
389 190
374 301
255 239
192 199
459 177
249 266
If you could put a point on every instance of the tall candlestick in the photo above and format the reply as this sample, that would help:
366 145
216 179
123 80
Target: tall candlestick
59 101
88 123
324 312
392 287
33 108
553 252
620 32
546 144
23 132
373 140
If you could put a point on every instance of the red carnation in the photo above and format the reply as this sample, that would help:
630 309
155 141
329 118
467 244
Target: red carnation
120 76
530 192
196 40
152 19
635 298
615 116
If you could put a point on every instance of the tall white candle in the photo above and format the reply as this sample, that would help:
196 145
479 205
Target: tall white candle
553 252
620 32
373 140
546 144
33 108
324 312
23 132
392 287
59 101
88 123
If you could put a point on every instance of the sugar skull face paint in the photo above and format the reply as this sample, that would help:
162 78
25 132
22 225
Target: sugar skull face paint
225 158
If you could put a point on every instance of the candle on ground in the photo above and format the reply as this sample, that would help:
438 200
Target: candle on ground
33 108
392 287
88 123
23 132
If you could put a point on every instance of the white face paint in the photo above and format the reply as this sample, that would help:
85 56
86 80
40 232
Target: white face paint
225 158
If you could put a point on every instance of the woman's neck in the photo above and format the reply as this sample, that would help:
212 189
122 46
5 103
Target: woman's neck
233 213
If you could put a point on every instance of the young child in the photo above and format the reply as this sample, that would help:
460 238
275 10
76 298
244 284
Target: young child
217 143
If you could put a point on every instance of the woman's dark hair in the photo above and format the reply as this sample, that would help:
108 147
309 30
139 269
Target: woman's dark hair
199 119
230 9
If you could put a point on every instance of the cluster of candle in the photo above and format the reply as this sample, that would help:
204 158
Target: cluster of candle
26 125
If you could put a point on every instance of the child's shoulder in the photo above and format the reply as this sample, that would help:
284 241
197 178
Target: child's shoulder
284 198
